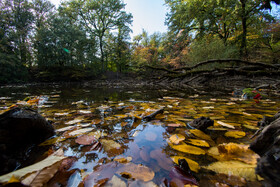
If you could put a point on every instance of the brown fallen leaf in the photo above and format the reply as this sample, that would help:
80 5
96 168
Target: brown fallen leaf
137 171
85 139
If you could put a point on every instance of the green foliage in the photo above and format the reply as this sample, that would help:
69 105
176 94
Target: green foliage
210 48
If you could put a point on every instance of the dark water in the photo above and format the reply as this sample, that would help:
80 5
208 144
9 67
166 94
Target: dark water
112 113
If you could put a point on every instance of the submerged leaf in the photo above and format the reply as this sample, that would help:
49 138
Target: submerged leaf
234 168
194 166
137 171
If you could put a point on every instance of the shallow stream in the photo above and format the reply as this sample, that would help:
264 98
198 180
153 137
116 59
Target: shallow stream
104 132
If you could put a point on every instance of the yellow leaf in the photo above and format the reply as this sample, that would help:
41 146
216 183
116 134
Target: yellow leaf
233 151
13 179
194 166
251 127
235 134
121 116
200 134
234 168
176 138
200 143
188 149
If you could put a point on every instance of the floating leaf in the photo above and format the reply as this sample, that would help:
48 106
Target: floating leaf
72 122
234 168
65 129
80 131
41 177
251 127
233 151
200 134
176 138
188 149
194 166
196 142
137 172
226 125
235 134
49 161
175 125
85 139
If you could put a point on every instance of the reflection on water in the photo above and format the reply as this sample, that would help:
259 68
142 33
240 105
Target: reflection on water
115 118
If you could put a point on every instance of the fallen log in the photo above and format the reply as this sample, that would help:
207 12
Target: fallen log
153 115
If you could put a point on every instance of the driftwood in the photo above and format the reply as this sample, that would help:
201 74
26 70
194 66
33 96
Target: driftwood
153 115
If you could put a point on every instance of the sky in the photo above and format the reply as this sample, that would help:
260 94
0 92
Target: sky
147 14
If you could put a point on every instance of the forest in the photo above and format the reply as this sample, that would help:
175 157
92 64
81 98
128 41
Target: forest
82 40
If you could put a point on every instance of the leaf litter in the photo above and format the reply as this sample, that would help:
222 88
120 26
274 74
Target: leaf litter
124 150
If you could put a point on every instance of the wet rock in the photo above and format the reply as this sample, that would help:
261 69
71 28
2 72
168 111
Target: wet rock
267 145
267 137
202 123
20 129
267 120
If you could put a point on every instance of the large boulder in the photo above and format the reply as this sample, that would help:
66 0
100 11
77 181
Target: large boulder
20 129
267 145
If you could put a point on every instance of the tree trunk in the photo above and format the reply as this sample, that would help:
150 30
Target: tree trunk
243 47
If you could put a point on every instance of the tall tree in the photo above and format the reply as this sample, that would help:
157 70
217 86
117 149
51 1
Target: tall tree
99 17
222 18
